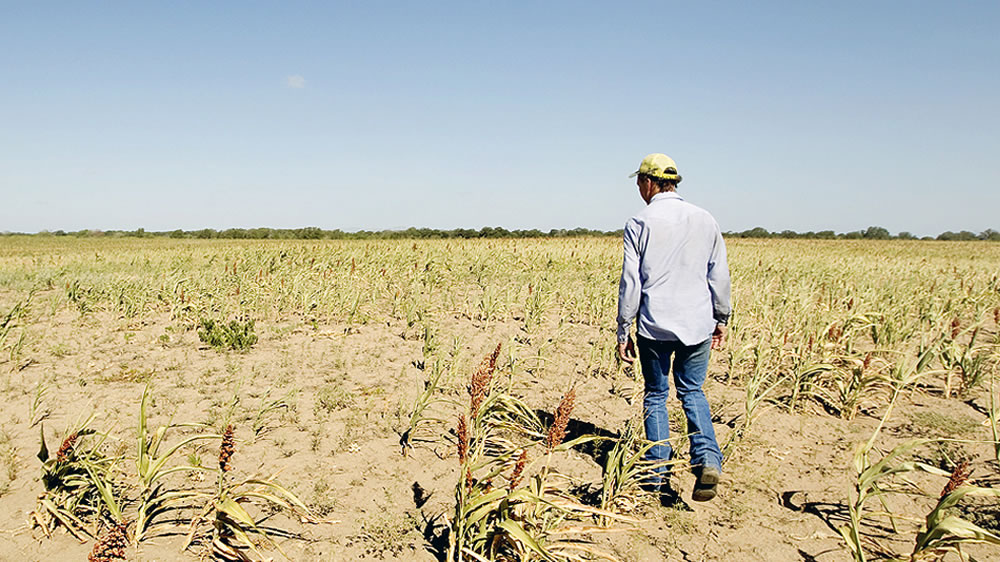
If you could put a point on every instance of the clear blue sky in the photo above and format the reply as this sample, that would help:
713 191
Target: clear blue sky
376 115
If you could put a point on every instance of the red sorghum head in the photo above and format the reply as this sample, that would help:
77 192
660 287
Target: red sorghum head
227 449
558 430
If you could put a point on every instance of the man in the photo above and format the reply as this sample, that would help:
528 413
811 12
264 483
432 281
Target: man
676 279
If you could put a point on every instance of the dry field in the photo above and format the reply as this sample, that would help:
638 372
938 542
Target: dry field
346 400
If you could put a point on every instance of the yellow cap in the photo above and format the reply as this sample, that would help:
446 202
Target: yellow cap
658 166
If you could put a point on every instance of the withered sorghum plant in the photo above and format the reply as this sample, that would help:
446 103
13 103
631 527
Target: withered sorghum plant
537 520
625 469
230 522
110 547
944 530
227 448
79 493
421 415
153 459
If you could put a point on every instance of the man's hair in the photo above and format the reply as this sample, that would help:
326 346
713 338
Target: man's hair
661 183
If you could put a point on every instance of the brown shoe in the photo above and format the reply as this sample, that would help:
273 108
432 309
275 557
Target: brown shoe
706 484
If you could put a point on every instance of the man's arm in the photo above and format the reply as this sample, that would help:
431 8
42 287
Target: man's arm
629 292
720 286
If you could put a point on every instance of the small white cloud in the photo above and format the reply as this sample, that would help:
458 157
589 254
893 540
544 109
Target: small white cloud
295 81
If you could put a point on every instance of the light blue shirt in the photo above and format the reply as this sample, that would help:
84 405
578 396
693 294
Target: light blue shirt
674 275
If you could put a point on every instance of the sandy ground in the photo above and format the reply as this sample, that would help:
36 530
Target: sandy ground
349 391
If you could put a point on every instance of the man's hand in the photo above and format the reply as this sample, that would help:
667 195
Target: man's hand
626 351
718 336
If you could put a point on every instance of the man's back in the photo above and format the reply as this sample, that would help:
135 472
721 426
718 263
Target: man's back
674 279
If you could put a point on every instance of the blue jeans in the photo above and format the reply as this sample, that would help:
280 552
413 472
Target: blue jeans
690 369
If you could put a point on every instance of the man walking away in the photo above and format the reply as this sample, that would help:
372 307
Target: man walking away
676 280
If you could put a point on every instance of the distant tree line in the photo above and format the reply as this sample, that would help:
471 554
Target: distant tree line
314 233
870 233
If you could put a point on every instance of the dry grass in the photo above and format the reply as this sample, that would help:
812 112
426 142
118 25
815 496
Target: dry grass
353 340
